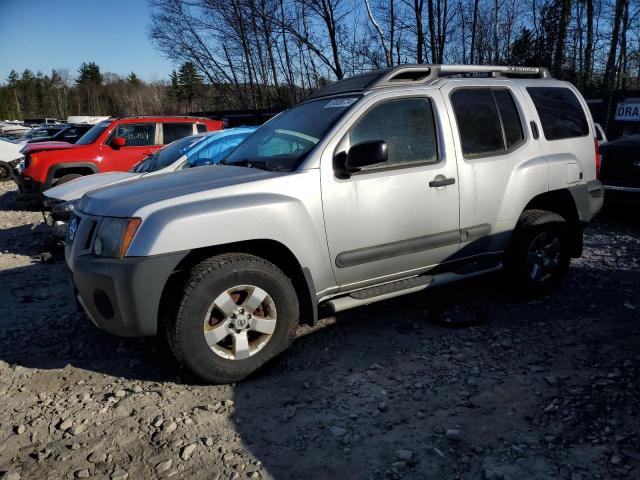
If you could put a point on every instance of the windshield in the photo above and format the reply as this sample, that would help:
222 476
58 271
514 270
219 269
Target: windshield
93 134
283 142
167 155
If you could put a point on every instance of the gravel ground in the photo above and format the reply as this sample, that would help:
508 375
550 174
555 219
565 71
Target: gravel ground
544 389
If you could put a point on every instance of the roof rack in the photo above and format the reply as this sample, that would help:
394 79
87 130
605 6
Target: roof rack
424 74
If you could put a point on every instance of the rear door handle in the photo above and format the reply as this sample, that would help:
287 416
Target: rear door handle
442 182
534 129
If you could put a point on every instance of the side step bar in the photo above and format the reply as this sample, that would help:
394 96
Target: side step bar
405 286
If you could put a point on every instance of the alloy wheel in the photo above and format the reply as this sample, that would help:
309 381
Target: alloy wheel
543 257
240 322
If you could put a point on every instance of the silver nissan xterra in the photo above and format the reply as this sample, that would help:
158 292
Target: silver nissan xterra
380 185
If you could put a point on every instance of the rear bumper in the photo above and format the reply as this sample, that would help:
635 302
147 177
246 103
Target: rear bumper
596 197
589 199
122 296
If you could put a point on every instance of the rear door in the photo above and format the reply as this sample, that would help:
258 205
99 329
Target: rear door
499 161
140 141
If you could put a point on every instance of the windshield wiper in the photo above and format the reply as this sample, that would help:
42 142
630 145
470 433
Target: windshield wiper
259 164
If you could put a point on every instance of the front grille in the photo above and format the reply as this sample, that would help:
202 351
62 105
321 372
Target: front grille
86 227
621 167
90 231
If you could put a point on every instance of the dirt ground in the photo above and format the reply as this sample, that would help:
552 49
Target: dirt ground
546 389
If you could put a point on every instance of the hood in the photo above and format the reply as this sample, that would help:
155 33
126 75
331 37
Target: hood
75 189
39 146
124 199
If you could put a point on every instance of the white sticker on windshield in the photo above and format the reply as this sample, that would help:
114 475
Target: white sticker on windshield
341 102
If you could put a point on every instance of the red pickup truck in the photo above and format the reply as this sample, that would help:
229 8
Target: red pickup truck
111 145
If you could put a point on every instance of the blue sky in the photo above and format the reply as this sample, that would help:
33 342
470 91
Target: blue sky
46 34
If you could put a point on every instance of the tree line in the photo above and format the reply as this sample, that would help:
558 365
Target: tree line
91 92
255 54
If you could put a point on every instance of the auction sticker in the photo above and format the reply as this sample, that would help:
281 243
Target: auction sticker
341 102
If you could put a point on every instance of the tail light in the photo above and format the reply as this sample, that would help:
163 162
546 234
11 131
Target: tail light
598 162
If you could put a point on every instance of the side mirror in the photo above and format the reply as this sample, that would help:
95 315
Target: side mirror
360 155
119 142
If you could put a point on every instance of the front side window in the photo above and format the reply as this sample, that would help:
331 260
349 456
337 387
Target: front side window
168 154
284 141
174 131
136 134
406 125
560 112
488 121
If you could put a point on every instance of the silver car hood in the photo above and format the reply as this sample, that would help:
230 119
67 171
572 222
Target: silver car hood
124 199
75 189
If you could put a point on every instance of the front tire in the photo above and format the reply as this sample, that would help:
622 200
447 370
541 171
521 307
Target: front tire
66 178
6 172
539 256
237 312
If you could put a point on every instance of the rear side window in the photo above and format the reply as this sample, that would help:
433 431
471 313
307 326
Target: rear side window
488 121
560 112
406 125
175 131
201 127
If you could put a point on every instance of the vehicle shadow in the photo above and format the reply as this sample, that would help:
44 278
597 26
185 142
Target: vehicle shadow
30 240
13 201
385 393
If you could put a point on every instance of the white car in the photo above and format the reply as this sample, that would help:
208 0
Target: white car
193 151
9 157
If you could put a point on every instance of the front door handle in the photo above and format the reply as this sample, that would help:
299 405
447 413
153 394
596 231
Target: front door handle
440 181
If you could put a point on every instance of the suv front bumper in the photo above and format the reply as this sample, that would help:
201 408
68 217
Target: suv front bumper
28 186
120 295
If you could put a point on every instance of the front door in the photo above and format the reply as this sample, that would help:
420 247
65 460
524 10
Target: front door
140 141
401 216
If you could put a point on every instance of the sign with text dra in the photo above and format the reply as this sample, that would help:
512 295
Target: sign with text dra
628 111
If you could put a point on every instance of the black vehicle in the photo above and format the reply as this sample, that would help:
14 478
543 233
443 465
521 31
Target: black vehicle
57 133
620 167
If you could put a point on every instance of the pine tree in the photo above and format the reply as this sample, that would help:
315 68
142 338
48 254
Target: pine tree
190 83
133 79
89 74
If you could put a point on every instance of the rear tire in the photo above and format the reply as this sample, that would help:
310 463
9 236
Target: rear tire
66 178
237 312
539 255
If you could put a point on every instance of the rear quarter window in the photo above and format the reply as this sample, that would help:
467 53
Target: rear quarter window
560 112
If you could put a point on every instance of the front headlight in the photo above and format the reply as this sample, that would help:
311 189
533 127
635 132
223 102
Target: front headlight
63 207
114 236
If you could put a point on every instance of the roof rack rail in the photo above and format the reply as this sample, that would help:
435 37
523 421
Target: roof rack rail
424 73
